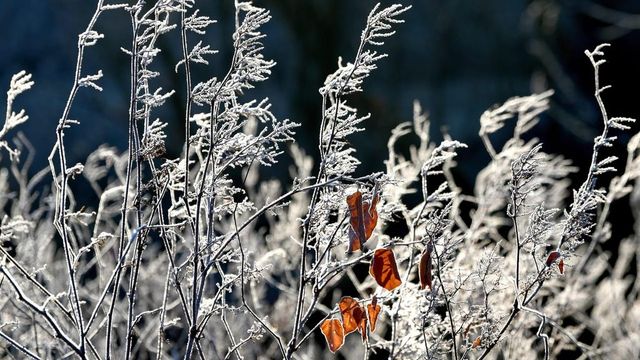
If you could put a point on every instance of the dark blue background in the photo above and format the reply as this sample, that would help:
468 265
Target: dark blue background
456 57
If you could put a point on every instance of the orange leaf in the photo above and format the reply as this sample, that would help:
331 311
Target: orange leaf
333 333
361 315
477 342
363 218
353 316
553 256
425 268
561 266
347 307
384 269
370 215
373 310
356 232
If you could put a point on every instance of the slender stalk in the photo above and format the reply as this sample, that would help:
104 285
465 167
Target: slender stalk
18 346
60 220
42 311
127 185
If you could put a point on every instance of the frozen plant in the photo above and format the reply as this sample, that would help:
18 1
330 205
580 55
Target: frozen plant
200 256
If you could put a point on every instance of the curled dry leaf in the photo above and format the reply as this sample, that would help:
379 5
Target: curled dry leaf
424 269
353 316
363 218
384 269
356 220
370 214
477 342
553 256
347 306
373 310
333 333
362 323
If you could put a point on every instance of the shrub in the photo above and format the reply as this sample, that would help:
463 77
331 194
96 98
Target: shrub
200 256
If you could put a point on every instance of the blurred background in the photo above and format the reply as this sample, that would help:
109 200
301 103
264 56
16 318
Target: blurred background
456 57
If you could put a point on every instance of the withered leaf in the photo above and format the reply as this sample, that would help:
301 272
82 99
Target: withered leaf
553 256
333 333
363 218
353 316
384 269
373 310
347 306
477 342
424 269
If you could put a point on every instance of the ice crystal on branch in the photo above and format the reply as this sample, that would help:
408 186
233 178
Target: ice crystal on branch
202 256
20 83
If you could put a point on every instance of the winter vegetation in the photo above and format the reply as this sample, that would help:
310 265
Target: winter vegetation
201 257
